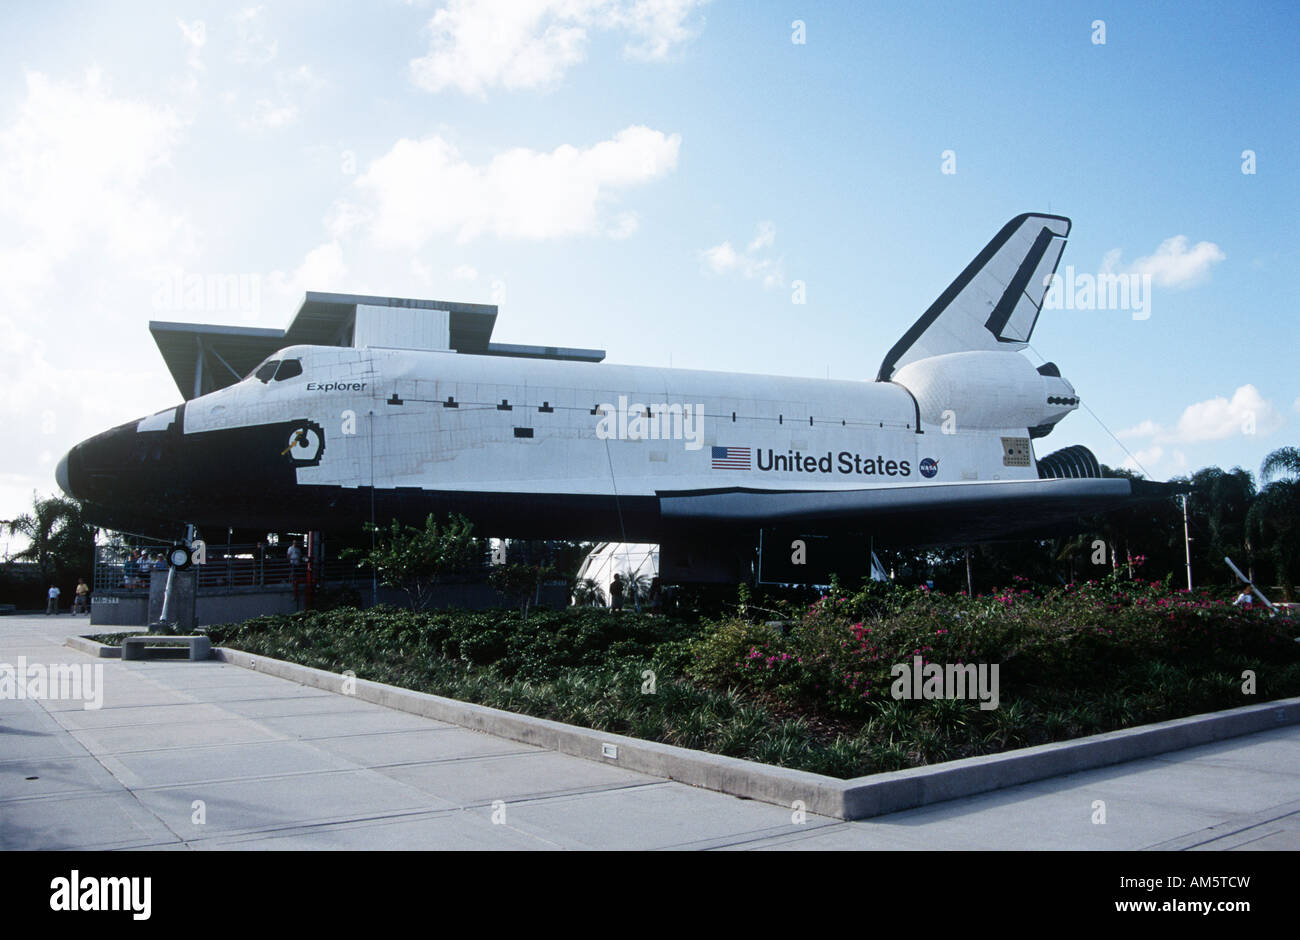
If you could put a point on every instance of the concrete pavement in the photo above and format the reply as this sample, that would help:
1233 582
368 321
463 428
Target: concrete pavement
213 756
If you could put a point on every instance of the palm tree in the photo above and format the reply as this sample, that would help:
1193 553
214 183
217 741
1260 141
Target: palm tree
587 593
59 540
1284 460
1274 519
636 587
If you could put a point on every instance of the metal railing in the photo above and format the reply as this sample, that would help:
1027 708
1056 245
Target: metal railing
227 566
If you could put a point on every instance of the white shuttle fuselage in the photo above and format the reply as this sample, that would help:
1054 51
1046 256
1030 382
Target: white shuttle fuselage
939 447
437 421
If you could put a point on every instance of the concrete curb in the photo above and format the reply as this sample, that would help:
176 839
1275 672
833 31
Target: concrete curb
858 798
919 786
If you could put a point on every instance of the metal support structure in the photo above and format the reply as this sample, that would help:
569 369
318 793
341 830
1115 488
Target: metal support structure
216 355
1187 545
1250 584
374 572
315 554
198 367
167 598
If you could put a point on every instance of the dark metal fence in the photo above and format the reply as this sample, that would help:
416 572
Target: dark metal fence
227 566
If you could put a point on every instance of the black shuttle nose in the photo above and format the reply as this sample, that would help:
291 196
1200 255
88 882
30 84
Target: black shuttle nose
61 475
115 473
70 473
150 474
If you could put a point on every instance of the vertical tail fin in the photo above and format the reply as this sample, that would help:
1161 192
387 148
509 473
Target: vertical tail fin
994 303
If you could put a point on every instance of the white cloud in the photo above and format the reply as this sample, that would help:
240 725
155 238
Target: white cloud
345 216
722 258
252 46
480 44
281 108
1155 462
750 264
625 226
1172 264
1247 412
322 269
1216 419
83 226
266 114
658 26
1146 428
464 272
765 237
196 36
78 164
425 187
1143 460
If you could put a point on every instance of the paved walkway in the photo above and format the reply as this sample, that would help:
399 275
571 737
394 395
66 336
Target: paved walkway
212 756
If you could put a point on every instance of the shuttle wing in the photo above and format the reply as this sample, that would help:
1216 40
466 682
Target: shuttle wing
913 515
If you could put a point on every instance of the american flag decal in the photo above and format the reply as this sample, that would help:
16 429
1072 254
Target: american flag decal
731 458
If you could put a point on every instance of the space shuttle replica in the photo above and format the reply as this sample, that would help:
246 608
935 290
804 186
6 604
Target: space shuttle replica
371 408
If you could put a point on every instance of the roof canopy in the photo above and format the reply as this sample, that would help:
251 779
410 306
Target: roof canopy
205 357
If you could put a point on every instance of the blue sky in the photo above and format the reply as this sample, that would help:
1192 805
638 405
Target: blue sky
652 177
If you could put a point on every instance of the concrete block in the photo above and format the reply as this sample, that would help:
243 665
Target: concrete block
136 647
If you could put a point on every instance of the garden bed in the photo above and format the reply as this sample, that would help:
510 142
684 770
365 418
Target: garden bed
816 694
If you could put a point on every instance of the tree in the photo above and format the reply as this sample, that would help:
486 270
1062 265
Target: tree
1285 461
1217 512
1274 519
587 593
636 587
564 557
60 541
520 582
1075 550
417 559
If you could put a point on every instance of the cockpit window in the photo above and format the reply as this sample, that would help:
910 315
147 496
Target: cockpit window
289 368
266 370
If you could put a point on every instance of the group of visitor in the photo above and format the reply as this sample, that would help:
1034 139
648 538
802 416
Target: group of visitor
80 600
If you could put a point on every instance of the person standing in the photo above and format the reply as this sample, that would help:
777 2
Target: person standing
616 593
52 605
294 555
81 603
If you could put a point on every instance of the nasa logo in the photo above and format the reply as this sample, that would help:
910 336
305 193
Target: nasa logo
929 467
